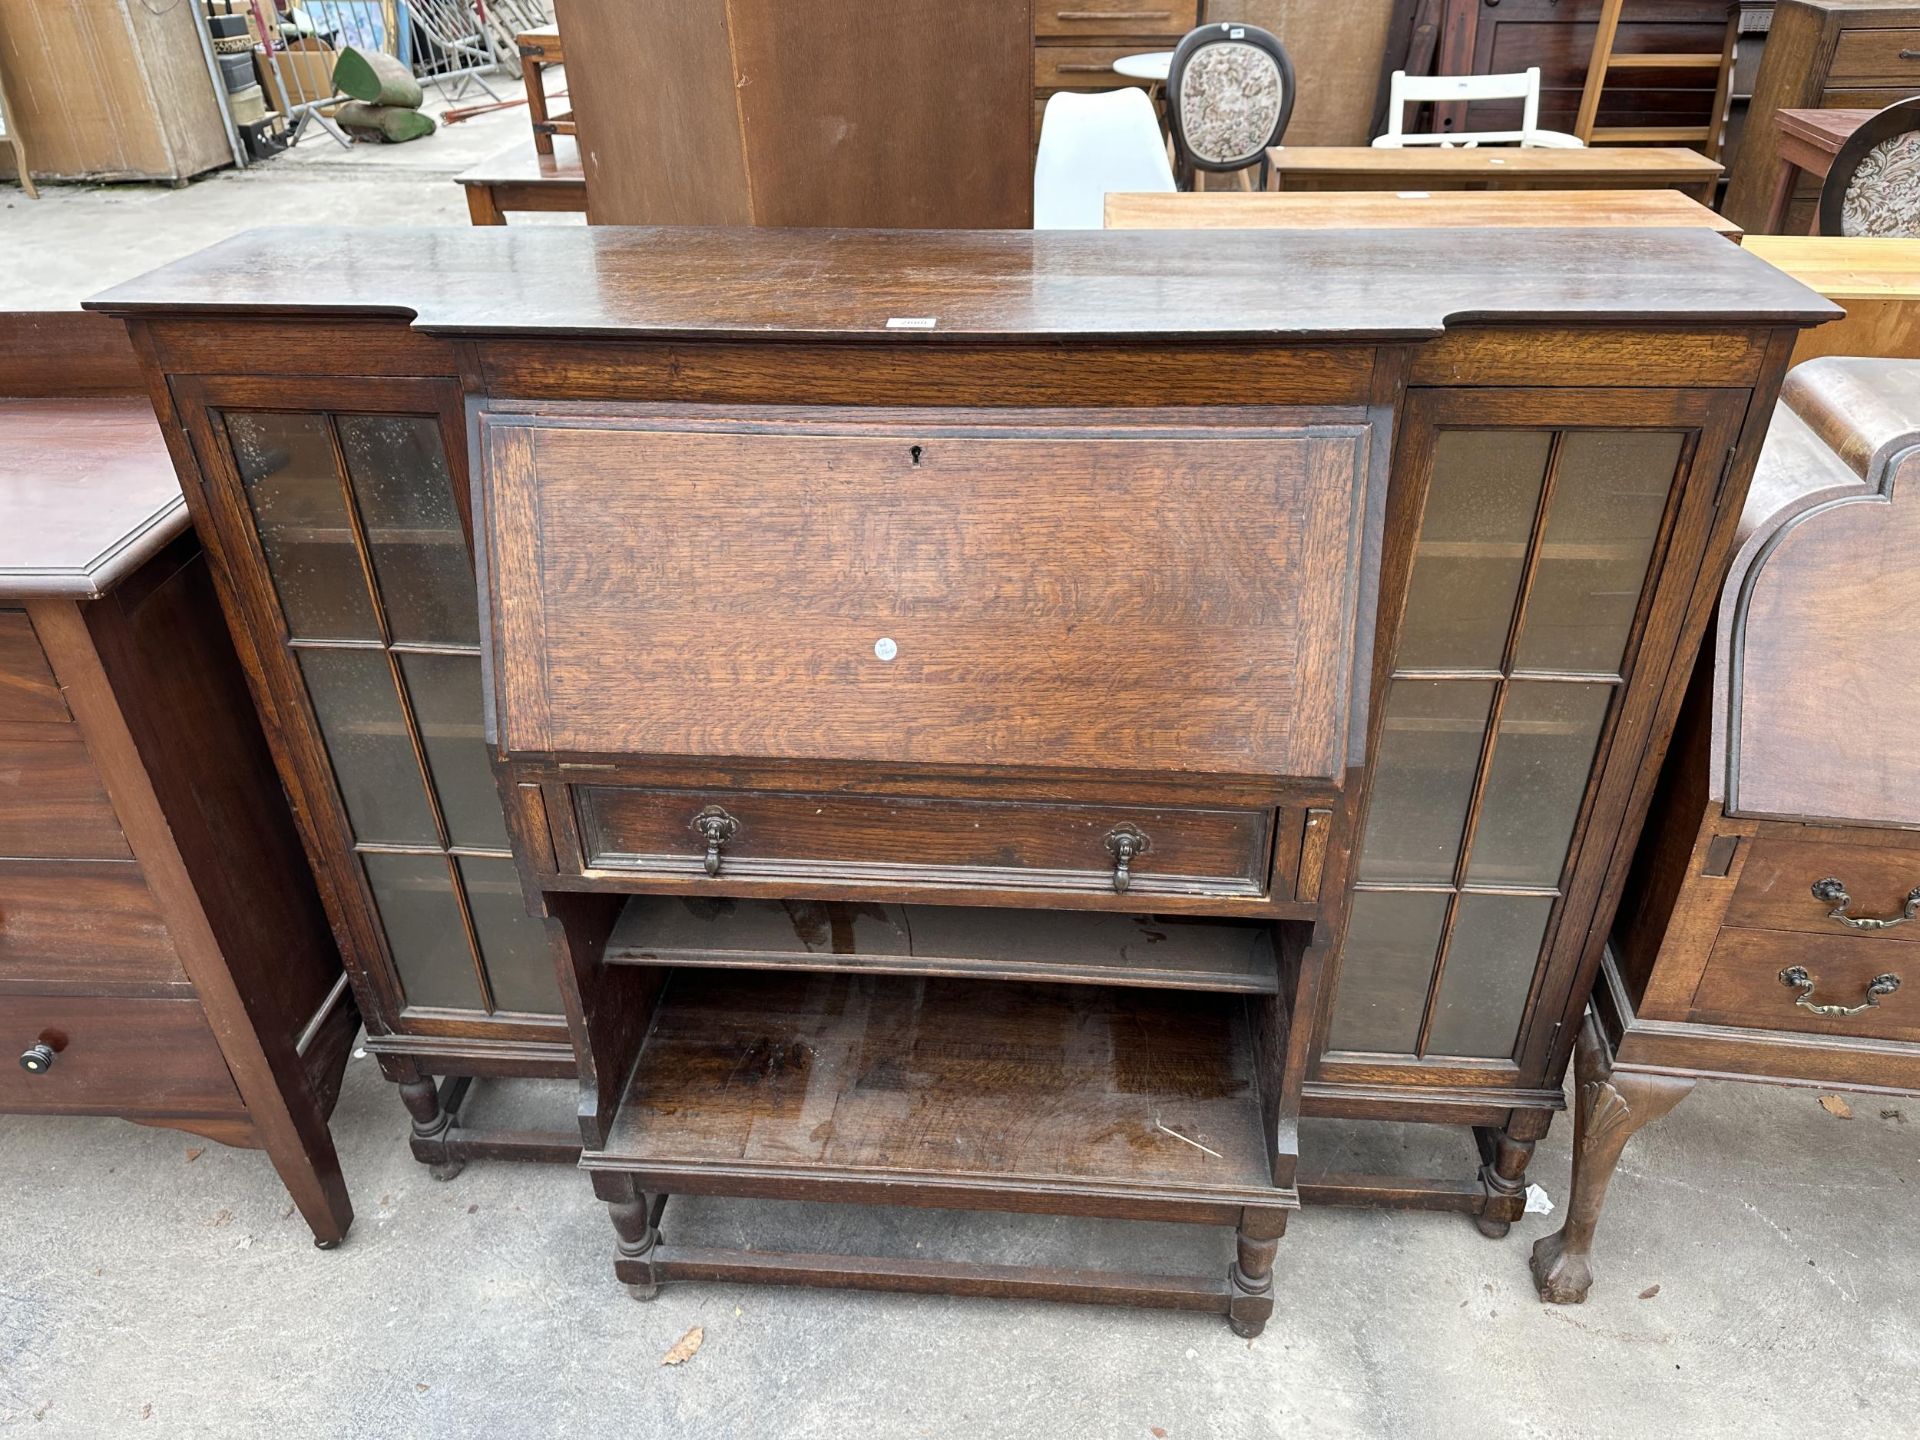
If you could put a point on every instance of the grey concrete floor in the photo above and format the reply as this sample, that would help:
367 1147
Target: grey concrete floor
152 1284
155 1285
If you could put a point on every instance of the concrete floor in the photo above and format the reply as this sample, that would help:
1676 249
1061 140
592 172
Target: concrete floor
154 1285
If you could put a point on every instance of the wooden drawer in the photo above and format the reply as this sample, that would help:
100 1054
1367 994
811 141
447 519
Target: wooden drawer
1159 19
1081 67
1742 985
52 803
1776 888
79 926
923 843
114 1057
1876 57
29 694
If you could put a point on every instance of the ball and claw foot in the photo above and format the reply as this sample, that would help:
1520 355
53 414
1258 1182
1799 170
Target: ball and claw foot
1562 1276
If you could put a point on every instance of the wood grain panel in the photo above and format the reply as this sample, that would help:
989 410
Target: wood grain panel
1168 18
82 926
52 802
1872 56
915 594
1776 886
29 695
115 1057
1742 987
986 1084
930 842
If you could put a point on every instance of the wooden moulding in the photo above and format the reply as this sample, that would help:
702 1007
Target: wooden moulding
1073 947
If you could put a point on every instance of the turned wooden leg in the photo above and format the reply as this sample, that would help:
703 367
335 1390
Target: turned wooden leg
1250 1278
1609 1107
1504 1156
433 1126
636 1218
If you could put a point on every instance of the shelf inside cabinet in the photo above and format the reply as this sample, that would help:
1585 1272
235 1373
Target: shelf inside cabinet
946 1085
1070 947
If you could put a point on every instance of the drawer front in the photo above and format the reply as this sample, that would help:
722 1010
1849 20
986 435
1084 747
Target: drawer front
1160 19
29 695
1742 985
52 804
1776 889
79 926
1080 67
1876 57
925 843
113 1057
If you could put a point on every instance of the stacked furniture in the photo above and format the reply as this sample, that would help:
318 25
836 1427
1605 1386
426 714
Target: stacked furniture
951 713
1075 45
163 954
1768 922
1821 54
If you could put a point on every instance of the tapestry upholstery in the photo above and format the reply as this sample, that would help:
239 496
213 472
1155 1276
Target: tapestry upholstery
1230 98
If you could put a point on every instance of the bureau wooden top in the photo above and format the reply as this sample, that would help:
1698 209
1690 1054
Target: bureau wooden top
87 492
927 286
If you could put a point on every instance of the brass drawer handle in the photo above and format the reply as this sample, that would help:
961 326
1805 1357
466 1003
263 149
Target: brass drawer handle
716 827
1076 68
1831 892
1795 977
1126 843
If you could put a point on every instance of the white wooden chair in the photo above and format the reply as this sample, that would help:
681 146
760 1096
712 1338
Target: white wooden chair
1091 144
1442 89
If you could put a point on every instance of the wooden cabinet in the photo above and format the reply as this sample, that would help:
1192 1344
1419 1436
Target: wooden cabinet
163 954
1770 915
1826 55
887 711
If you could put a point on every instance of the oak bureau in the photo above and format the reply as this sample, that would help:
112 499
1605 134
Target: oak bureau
990 720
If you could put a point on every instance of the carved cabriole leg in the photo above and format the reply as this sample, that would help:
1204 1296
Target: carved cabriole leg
1250 1277
1610 1106
634 1215
431 1127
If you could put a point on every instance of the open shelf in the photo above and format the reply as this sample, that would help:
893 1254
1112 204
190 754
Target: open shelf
937 1091
1072 947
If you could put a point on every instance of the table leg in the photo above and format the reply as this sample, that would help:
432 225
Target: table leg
482 207
1782 197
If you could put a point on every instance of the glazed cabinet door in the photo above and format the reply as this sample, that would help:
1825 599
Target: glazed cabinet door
1557 538
343 520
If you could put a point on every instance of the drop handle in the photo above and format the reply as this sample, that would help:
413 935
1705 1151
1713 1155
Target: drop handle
1831 892
716 827
37 1059
1795 977
1910 54
1126 843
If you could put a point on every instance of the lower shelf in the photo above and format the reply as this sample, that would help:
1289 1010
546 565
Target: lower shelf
928 1091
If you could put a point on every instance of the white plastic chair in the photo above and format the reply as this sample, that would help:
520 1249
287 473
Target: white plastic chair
1091 144
1523 86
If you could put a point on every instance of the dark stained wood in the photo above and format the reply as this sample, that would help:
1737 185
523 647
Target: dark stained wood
112 1056
1775 885
52 804
525 178
1028 286
754 112
65 353
90 927
29 695
1005 1090
1058 946
1741 986
86 494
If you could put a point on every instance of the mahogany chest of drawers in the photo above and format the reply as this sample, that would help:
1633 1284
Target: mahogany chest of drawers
163 953
1768 923
988 719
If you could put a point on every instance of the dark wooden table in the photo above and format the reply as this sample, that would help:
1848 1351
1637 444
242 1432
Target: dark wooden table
1808 140
524 178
